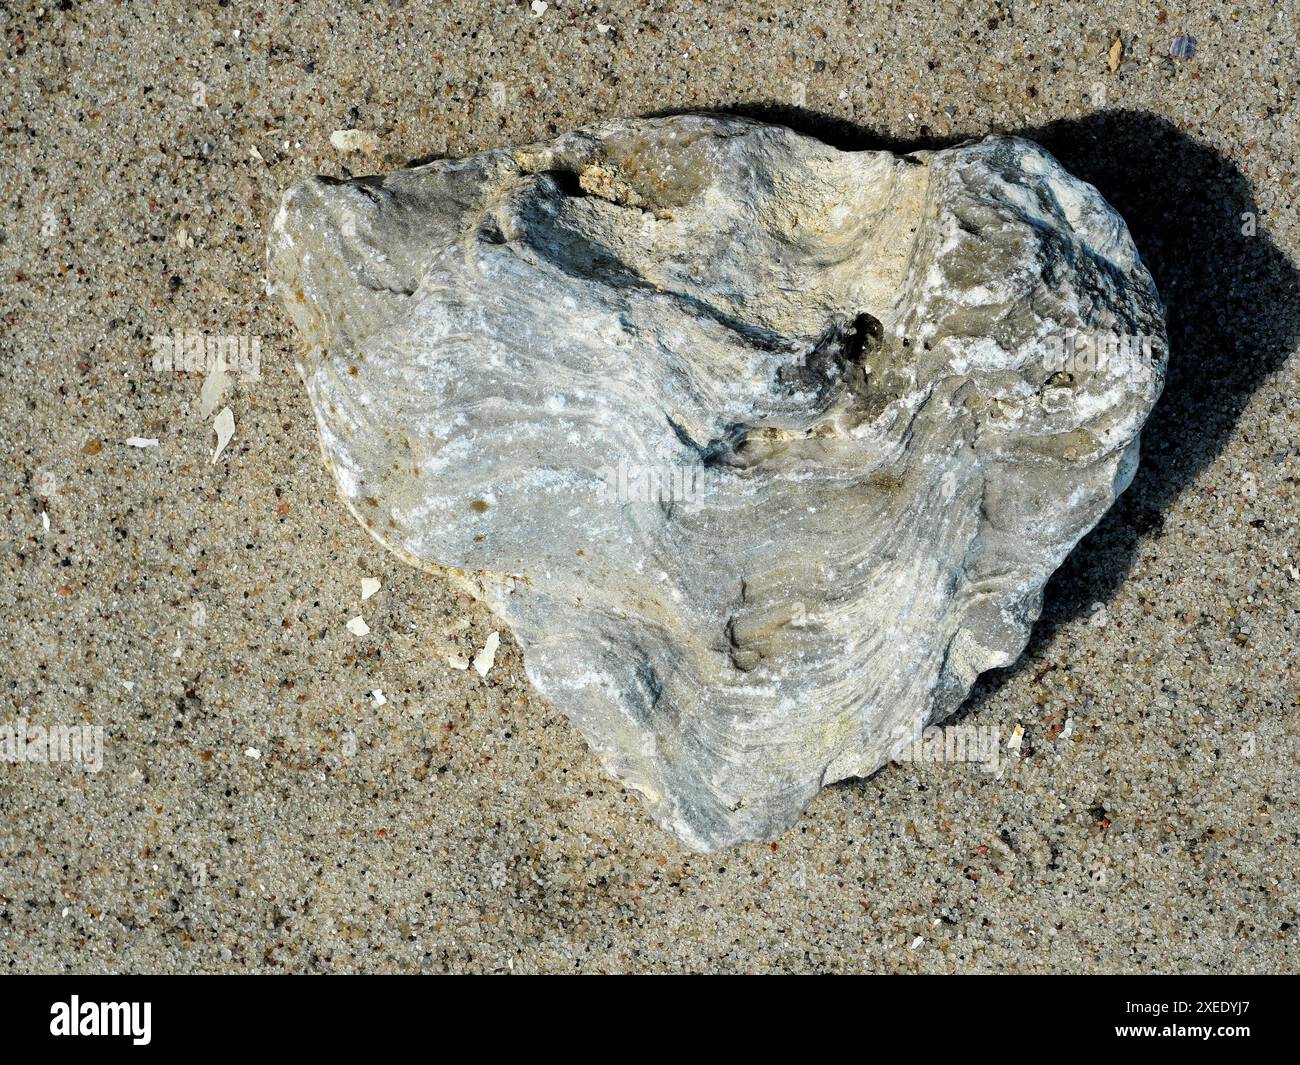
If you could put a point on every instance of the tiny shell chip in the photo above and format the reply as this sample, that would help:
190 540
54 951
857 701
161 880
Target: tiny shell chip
354 140
224 426
484 659
213 388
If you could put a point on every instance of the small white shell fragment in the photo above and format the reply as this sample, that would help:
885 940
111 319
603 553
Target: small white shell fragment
213 388
253 752
354 140
484 659
224 426
539 7
141 441
379 697
1017 734
1067 728
45 520
458 662
917 942
369 586
358 627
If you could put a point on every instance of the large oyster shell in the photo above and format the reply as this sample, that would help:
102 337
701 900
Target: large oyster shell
764 450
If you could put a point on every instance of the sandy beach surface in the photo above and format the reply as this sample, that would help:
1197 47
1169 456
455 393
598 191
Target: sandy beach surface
257 808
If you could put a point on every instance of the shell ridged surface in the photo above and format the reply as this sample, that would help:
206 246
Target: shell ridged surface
764 450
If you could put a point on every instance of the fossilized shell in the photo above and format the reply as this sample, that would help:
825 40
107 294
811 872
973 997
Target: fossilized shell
764 450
